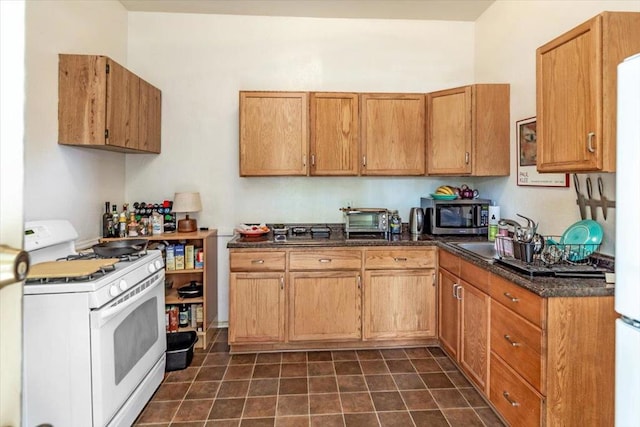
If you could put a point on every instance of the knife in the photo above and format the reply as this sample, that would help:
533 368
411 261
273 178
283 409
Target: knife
592 206
603 200
580 201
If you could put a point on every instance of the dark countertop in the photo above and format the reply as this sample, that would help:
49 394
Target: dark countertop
541 285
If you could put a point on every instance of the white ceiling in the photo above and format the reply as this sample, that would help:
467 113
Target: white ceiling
446 10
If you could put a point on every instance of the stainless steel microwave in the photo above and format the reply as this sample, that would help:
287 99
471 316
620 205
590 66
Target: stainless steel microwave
455 217
366 220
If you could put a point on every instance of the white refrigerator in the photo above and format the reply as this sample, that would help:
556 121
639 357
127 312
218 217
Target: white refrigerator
627 293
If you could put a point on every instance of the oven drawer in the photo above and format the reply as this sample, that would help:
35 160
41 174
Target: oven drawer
325 260
528 305
399 258
517 402
518 342
257 261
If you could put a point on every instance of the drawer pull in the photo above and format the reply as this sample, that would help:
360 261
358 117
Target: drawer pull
511 402
399 259
458 295
513 343
324 260
511 297
257 261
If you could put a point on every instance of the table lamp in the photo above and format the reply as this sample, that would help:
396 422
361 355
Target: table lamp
185 203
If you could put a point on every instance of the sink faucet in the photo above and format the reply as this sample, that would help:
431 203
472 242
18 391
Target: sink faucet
514 224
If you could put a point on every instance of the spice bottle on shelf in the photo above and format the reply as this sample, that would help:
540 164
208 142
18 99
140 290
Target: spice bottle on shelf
132 225
107 221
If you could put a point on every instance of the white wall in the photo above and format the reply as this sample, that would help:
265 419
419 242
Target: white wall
61 181
507 36
201 62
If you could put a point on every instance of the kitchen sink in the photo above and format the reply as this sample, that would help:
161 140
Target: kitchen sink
484 250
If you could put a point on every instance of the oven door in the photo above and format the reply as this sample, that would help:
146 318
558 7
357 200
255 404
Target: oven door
127 340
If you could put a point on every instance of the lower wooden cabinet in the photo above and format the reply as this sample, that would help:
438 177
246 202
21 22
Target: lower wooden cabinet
464 318
324 306
256 307
399 304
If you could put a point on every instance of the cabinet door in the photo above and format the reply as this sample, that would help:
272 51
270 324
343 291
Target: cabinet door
273 133
334 139
449 132
474 326
324 306
256 307
123 91
399 304
150 118
393 134
448 312
82 99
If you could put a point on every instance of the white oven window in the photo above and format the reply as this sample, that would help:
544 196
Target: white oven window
133 338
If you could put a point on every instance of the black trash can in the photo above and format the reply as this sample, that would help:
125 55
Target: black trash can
180 350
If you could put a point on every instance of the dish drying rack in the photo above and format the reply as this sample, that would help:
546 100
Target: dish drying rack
548 257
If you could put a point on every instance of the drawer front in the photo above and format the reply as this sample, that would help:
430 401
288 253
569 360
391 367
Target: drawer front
518 342
325 260
518 299
449 262
257 261
477 276
516 401
400 258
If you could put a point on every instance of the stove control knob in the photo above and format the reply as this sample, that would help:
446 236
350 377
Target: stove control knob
123 285
151 267
158 264
113 291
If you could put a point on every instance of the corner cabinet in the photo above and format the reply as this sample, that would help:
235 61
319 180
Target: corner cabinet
103 105
334 134
468 131
273 133
393 134
576 77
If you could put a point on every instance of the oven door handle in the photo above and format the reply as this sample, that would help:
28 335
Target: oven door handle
103 316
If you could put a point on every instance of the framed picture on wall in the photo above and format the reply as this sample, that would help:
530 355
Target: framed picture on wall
527 154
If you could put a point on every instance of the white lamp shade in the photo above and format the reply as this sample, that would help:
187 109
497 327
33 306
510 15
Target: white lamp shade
187 202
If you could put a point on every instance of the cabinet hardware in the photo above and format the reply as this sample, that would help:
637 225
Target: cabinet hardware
590 136
511 402
466 157
399 259
453 290
359 282
106 133
510 341
304 160
364 161
324 260
281 282
108 68
257 261
313 160
458 293
511 297
433 277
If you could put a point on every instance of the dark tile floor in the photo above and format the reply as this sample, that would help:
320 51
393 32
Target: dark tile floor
391 387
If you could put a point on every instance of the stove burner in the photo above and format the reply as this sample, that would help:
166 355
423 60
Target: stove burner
69 279
93 255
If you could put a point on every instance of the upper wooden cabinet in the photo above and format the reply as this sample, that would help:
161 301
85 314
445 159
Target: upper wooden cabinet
334 137
576 76
103 105
393 134
468 131
273 133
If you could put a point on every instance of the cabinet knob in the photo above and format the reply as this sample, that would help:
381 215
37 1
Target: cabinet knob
257 261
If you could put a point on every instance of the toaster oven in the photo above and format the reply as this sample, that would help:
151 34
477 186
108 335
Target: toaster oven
366 220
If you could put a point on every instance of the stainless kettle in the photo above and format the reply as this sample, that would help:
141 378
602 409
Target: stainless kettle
416 220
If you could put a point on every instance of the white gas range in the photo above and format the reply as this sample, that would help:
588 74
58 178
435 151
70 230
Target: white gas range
94 344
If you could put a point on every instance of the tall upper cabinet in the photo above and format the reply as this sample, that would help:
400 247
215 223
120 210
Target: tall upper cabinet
103 105
273 133
576 76
393 132
468 131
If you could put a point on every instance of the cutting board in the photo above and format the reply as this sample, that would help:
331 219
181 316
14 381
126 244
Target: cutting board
73 268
